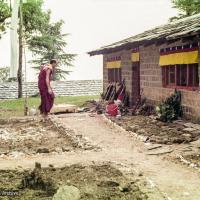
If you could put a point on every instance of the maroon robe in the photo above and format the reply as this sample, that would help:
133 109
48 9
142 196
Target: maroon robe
47 99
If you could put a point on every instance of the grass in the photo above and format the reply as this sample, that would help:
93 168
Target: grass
15 107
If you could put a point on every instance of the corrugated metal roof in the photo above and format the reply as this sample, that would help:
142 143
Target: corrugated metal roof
174 30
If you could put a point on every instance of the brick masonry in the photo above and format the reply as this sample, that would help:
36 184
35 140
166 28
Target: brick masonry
61 88
151 81
151 78
126 67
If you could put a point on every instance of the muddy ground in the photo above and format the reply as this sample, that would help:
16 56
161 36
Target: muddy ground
98 158
160 132
20 137
102 182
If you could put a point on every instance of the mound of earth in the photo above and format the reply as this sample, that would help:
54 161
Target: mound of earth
102 182
157 131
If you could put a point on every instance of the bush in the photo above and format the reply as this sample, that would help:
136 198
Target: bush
4 74
171 108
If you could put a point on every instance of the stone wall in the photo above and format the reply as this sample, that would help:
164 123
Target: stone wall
61 88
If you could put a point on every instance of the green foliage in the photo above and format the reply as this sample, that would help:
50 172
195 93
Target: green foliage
4 74
186 8
34 17
45 39
170 109
50 44
4 14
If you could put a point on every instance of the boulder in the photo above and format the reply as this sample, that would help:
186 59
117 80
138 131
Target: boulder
67 193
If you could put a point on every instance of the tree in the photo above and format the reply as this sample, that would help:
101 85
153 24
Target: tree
35 25
4 14
186 8
32 19
50 44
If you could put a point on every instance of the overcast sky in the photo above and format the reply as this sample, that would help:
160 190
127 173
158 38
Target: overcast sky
94 23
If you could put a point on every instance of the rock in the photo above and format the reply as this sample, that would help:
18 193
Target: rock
32 111
84 109
50 165
196 143
189 129
178 122
67 193
141 131
43 150
140 174
187 135
108 184
189 125
156 146
66 149
165 128
16 154
160 151
125 188
58 150
177 140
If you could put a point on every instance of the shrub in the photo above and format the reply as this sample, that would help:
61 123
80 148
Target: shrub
171 108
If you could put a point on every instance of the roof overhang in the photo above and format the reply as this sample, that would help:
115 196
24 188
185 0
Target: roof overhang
183 29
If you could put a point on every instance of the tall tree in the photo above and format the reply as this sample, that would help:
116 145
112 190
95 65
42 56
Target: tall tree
4 14
32 19
34 27
50 44
186 8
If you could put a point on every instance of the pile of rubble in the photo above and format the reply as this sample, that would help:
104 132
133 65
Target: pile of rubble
160 132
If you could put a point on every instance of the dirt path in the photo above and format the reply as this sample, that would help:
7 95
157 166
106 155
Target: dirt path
173 181
176 181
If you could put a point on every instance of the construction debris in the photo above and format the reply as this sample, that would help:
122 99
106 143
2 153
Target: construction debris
161 151
64 108
157 132
114 102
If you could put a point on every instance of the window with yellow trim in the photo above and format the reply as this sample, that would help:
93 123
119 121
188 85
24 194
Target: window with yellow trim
114 75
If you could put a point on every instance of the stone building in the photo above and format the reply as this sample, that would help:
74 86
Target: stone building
156 62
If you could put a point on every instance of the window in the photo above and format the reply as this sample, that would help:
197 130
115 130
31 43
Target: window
181 76
114 75
171 75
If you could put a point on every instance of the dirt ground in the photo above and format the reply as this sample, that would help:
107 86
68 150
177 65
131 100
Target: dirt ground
21 137
94 182
99 158
181 132
157 131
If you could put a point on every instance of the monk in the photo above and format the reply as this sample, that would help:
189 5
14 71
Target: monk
46 92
